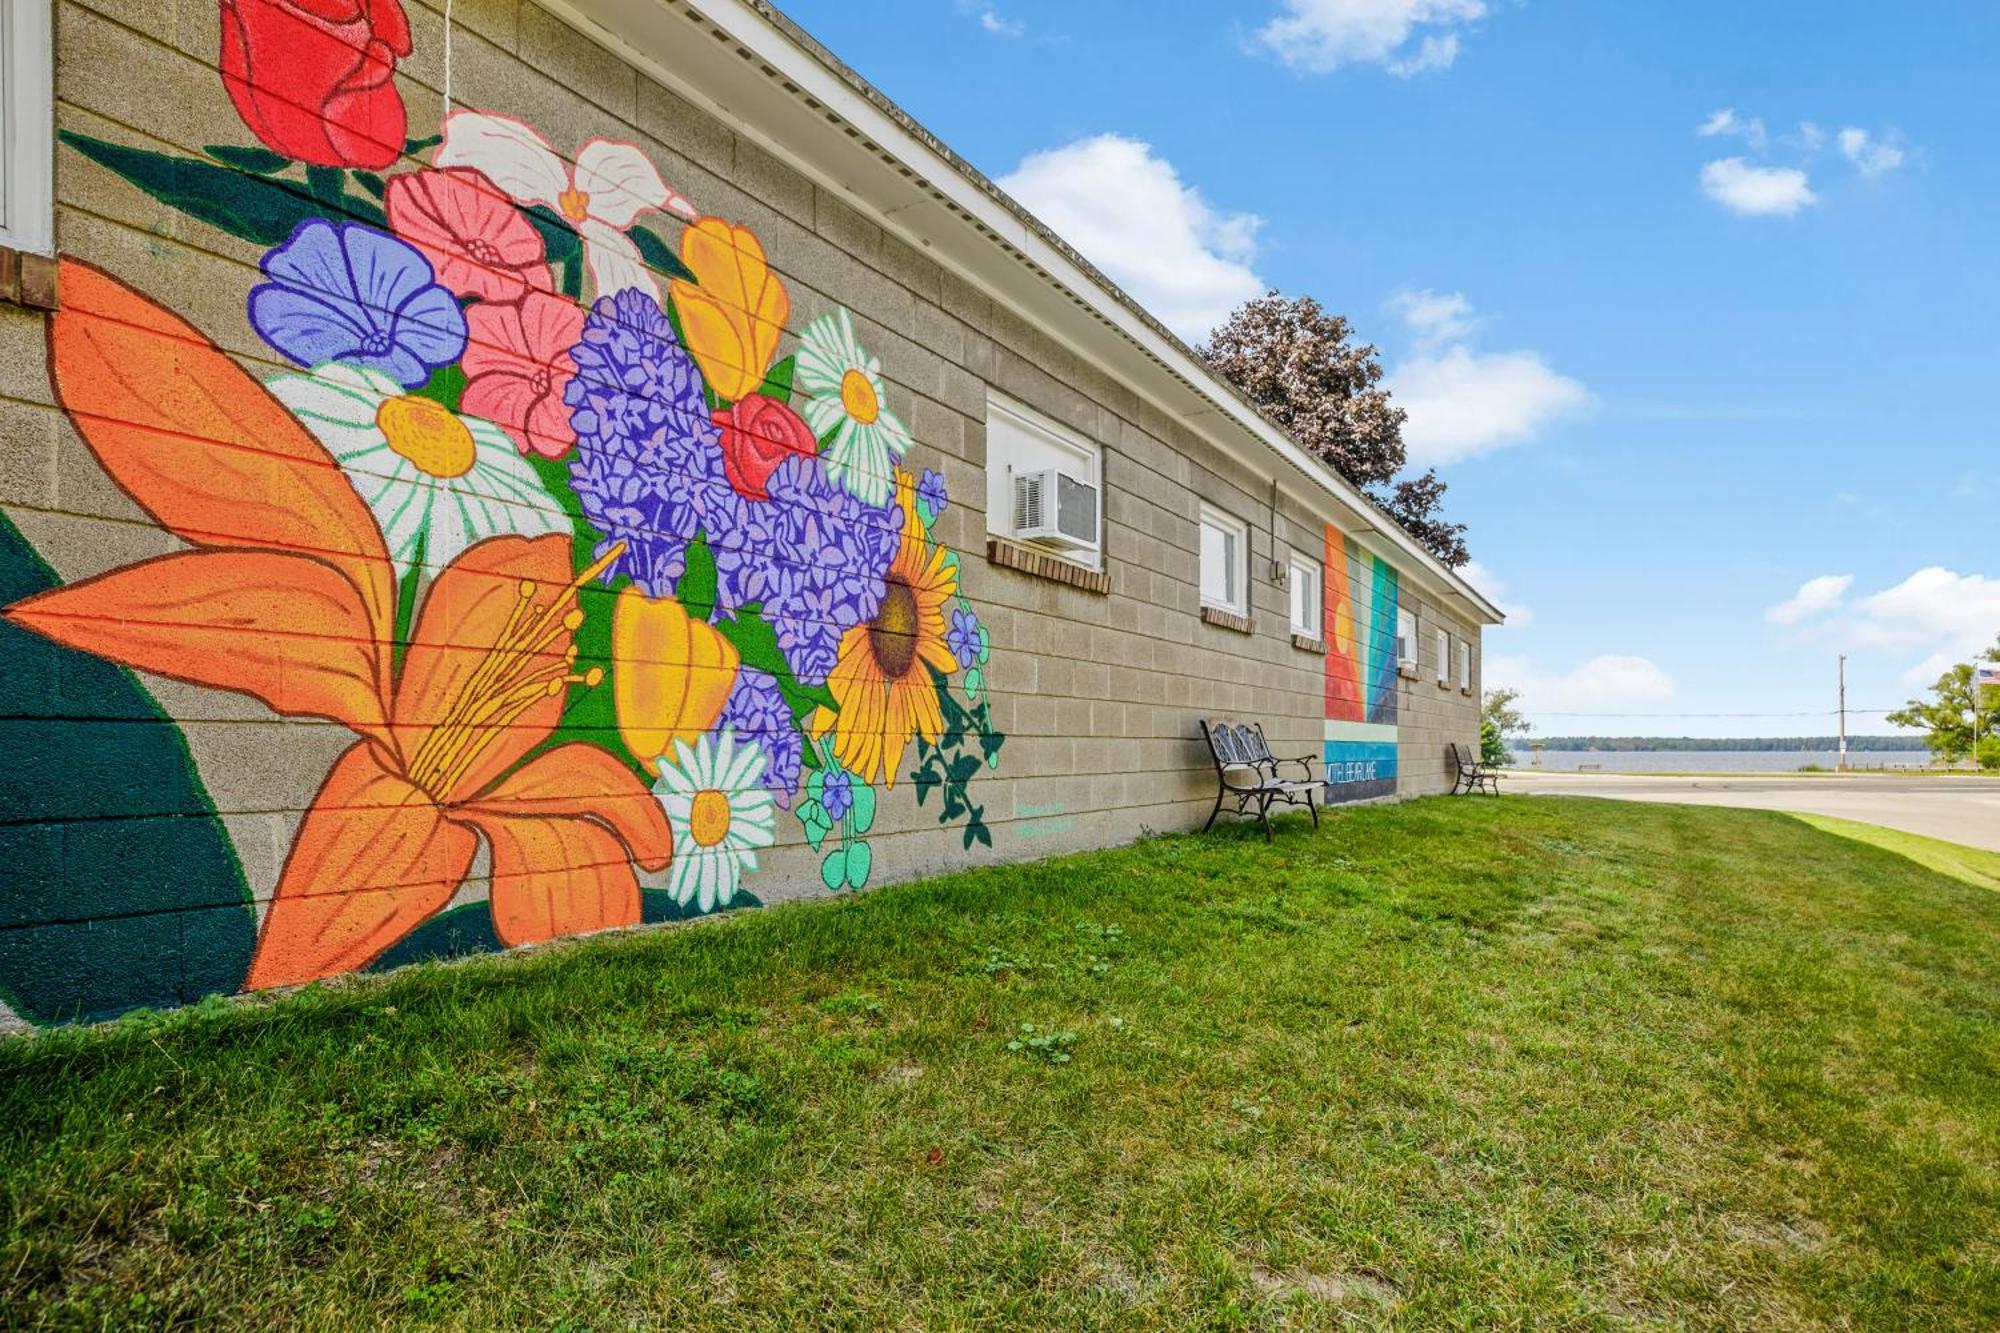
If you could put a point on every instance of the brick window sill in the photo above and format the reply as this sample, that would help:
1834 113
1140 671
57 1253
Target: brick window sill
27 279
1444 684
1406 671
1215 615
1306 644
1044 565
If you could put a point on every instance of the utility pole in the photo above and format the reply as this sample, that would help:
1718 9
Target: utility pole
1843 713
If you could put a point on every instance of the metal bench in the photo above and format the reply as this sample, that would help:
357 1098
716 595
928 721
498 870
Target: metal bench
1472 774
1246 769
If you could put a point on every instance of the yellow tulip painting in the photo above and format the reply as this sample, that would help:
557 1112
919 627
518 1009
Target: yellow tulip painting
670 674
735 311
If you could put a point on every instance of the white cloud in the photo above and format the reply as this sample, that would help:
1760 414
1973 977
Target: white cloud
1811 136
1406 37
1871 156
1463 403
990 19
1434 317
1495 589
1727 124
1943 615
1606 685
1754 191
1814 598
1127 210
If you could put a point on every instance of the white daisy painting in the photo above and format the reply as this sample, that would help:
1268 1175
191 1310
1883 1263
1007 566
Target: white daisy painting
714 794
861 440
436 481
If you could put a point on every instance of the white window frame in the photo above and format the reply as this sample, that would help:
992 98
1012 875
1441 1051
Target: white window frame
27 127
1020 439
1443 636
1465 665
1406 638
1304 569
1238 576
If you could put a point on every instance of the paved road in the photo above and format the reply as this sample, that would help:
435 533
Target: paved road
1964 810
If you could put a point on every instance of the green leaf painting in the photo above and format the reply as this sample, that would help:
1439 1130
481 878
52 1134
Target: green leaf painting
968 743
262 209
123 889
658 255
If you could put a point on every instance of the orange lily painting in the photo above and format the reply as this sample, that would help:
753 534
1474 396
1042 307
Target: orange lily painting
589 581
305 626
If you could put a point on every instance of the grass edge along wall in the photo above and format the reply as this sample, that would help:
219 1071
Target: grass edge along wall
382 516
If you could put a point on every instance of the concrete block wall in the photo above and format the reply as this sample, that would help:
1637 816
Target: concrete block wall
1097 694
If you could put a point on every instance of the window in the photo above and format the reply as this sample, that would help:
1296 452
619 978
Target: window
1444 656
1225 547
1464 665
1021 442
1406 639
1308 613
27 135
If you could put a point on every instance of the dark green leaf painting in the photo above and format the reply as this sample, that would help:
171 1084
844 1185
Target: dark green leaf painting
469 929
122 889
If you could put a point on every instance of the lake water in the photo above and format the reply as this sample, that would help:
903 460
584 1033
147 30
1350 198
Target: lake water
1712 761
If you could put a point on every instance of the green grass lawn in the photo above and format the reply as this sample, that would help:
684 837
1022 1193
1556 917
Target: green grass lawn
1482 1064
1974 865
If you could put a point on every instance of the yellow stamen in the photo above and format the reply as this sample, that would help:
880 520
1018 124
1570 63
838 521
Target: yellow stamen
426 432
516 674
857 396
708 818
575 204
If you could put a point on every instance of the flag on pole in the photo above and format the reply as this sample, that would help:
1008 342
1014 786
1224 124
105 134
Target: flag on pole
1986 673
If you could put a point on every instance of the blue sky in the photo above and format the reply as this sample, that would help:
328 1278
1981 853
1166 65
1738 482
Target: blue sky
1695 305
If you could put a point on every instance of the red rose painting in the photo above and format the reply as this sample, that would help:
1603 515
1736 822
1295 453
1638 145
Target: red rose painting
757 433
315 79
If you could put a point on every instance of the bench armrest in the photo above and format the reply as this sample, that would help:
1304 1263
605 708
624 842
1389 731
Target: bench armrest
1304 761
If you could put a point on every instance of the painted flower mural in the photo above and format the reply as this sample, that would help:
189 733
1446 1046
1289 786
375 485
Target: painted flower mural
345 292
436 481
518 369
601 194
315 79
882 680
603 587
477 242
722 816
302 618
846 405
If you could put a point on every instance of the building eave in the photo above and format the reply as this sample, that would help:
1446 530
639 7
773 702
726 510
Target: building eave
844 134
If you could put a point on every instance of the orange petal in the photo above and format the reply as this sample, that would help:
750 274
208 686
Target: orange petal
284 629
574 781
373 859
555 877
465 616
200 445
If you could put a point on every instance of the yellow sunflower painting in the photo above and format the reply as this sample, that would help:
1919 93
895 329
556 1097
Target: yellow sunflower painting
882 680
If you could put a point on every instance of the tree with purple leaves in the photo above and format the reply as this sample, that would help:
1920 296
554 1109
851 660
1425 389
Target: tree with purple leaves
1298 365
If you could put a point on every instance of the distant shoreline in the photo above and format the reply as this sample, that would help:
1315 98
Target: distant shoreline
1719 744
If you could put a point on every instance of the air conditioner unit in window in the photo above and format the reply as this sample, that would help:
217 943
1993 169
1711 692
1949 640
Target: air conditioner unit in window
1055 509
